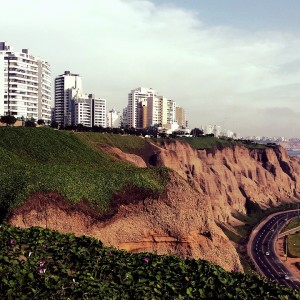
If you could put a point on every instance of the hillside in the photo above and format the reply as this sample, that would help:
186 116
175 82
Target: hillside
43 159
65 181
116 189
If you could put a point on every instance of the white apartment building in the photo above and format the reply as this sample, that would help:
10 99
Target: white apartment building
99 112
67 86
89 111
160 111
25 84
145 108
114 119
135 97
73 106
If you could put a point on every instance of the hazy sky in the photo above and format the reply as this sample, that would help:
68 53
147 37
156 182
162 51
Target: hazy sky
227 62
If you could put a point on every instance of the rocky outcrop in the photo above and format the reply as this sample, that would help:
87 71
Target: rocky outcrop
235 179
178 222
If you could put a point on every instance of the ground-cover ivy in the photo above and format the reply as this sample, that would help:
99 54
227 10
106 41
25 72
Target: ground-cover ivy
37 263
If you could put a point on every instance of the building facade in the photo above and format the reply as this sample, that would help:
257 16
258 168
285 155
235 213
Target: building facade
25 84
134 107
146 108
67 86
180 117
73 106
89 111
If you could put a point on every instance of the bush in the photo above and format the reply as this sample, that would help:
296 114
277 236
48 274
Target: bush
30 123
8 120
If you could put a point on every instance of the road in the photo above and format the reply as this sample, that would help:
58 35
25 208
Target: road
261 249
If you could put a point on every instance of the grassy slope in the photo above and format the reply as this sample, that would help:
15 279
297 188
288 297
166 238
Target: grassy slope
129 144
293 224
213 143
35 159
294 245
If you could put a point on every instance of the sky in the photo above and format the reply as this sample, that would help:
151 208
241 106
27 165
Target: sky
231 63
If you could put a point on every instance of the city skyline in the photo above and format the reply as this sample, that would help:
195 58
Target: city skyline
232 64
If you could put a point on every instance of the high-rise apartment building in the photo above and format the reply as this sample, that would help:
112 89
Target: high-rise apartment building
73 106
161 111
25 84
67 86
134 107
89 111
145 108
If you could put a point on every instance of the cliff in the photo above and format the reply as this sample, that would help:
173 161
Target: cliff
178 222
205 187
235 179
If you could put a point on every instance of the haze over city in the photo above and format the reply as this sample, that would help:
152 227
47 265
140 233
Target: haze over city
231 63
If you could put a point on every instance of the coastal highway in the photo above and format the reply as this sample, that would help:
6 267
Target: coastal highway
261 249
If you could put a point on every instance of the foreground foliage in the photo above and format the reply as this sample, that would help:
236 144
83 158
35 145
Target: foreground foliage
42 264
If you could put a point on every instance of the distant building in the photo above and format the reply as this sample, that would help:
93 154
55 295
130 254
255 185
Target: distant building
73 106
25 84
114 119
180 117
134 107
90 111
146 108
66 87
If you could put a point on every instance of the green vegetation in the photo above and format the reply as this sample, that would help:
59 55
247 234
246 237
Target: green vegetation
293 224
206 142
212 143
43 159
41 264
37 263
293 241
129 144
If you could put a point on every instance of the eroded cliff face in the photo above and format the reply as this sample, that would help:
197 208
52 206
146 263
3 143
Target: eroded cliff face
178 222
204 188
235 179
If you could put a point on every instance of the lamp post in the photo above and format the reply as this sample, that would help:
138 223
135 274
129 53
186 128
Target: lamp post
23 119
286 247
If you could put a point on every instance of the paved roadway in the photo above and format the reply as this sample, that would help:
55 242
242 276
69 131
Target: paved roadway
261 249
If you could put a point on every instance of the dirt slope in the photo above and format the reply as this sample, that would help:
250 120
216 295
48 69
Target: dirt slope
178 222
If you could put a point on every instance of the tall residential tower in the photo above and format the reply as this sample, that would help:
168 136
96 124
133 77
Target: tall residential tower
25 84
67 86
73 106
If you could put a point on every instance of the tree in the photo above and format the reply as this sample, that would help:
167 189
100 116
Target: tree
8 120
54 124
197 132
30 123
41 122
